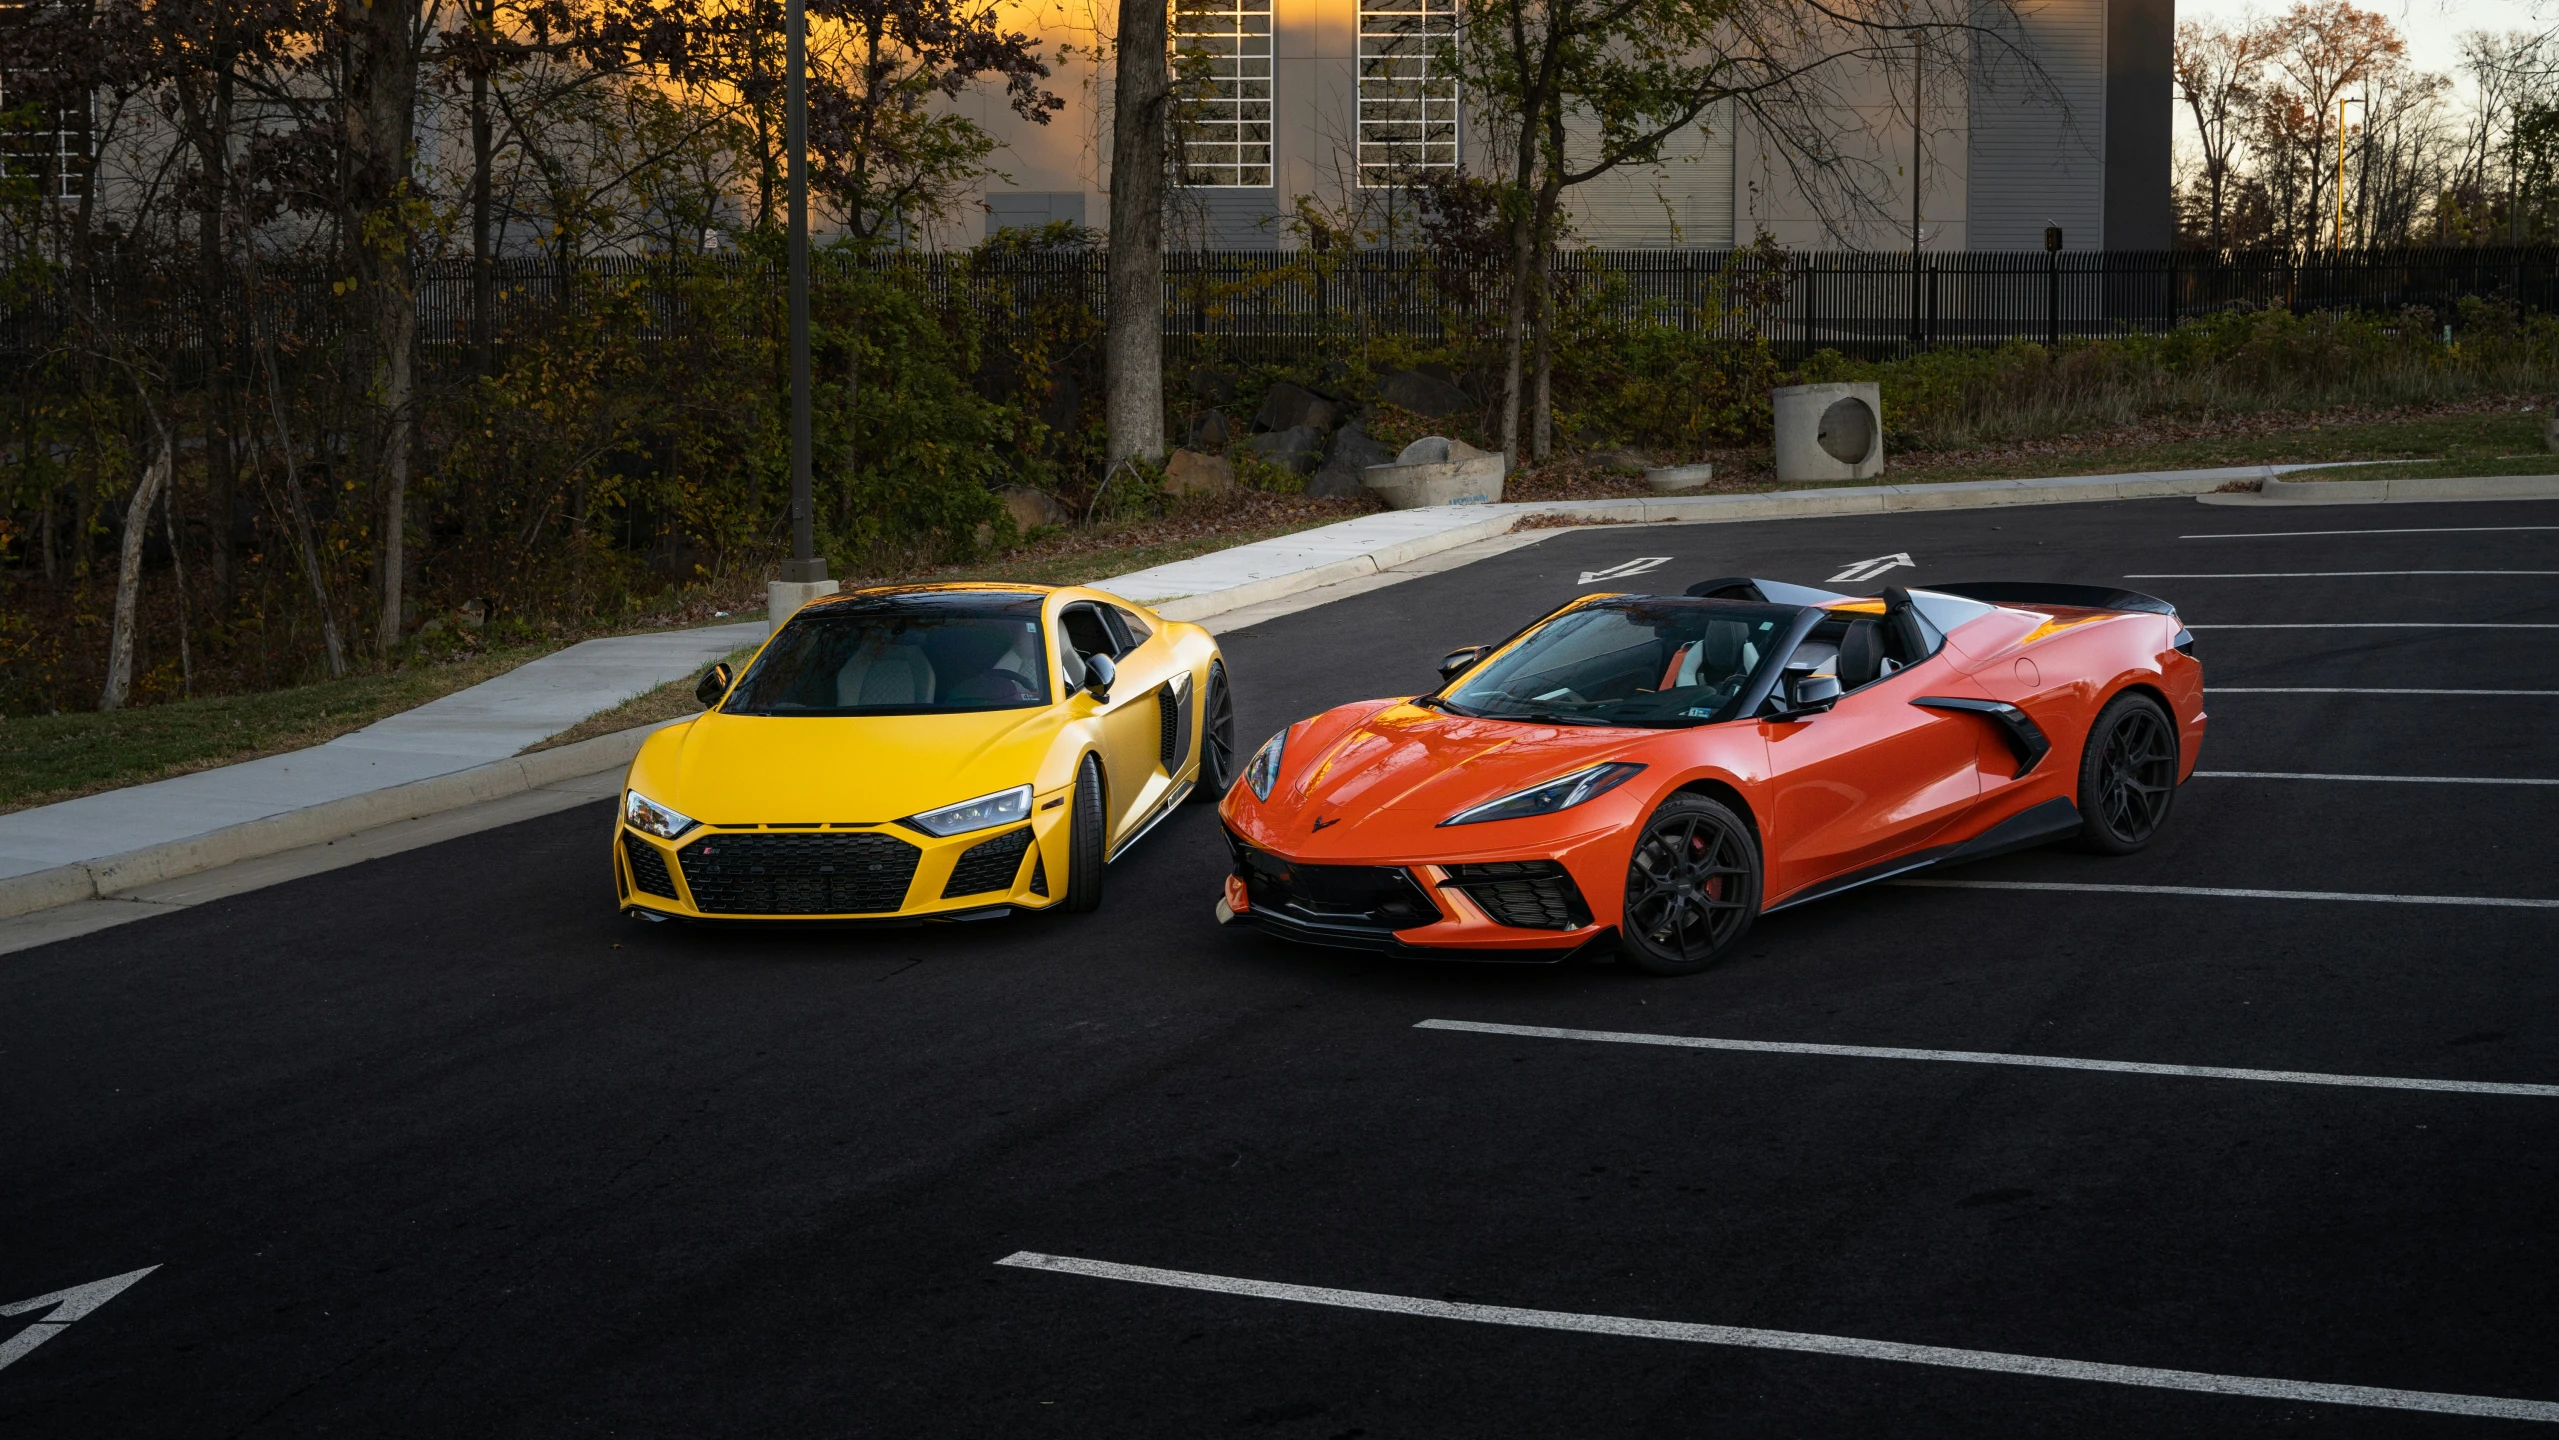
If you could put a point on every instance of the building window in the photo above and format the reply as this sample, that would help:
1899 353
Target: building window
54 149
1407 106
1222 86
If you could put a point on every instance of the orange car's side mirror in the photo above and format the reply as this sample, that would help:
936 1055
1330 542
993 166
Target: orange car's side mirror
1812 694
1458 662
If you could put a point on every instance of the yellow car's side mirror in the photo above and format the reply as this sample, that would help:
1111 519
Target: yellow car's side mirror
715 683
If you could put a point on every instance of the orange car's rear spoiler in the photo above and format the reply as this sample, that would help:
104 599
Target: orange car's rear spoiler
2040 592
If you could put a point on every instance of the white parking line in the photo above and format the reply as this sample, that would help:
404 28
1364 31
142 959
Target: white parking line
1847 1346
2426 530
1992 1057
2394 625
2352 690
2330 574
2218 892
2377 779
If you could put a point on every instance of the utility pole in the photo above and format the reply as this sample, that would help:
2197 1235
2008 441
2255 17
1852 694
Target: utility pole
1918 136
804 574
2342 103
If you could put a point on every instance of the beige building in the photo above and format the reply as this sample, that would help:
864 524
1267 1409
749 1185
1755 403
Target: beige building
1323 100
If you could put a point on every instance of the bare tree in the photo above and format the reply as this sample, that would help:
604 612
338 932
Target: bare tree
2323 50
2218 70
1574 89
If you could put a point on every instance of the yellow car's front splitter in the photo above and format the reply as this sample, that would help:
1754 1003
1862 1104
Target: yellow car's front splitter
844 872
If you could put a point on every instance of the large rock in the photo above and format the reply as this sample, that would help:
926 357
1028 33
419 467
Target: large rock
1032 509
1424 394
1214 386
1352 451
1209 431
1299 448
1291 406
1189 472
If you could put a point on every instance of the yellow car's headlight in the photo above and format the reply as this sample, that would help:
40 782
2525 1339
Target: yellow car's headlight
650 818
1001 808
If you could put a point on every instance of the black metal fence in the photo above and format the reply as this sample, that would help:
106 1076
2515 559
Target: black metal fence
1279 304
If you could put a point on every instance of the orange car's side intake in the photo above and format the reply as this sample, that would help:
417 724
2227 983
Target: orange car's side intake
1875 784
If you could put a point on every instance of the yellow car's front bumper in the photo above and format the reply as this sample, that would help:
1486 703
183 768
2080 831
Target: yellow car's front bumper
843 872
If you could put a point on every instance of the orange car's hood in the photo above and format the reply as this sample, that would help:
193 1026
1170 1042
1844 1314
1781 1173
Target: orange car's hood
784 769
1403 762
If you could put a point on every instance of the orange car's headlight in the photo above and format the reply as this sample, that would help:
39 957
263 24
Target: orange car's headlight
1561 793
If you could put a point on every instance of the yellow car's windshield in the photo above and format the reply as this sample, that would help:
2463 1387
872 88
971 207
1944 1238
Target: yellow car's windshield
901 655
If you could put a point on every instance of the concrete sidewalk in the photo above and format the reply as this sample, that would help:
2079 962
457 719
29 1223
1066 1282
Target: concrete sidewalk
464 731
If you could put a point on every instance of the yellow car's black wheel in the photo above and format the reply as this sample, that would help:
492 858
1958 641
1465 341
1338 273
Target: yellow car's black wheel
1217 739
1085 828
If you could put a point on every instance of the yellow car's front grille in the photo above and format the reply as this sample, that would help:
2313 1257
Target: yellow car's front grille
798 873
648 868
988 865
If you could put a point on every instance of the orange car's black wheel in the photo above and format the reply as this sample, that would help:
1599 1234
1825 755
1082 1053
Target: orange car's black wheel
1217 738
2127 775
1085 832
1692 888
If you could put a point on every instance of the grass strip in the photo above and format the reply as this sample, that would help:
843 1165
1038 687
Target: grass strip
670 701
46 758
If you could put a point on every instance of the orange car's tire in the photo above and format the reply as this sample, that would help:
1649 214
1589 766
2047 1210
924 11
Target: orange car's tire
1085 829
2127 775
1692 887
1217 739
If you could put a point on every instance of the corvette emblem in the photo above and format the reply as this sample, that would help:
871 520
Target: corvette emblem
1321 822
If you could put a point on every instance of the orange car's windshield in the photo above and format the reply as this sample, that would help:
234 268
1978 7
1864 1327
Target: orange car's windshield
899 659
1637 662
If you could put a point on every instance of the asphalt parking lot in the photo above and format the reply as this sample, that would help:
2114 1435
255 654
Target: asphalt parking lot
441 1145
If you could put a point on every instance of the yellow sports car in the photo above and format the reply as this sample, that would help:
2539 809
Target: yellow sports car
926 752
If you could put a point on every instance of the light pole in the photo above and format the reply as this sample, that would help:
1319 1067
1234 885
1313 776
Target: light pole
2342 103
803 575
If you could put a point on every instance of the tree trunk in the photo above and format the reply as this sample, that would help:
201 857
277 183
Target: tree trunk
382 84
1133 356
1542 428
137 519
214 270
1515 328
483 261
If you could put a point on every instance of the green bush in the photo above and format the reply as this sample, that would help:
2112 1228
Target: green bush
2235 363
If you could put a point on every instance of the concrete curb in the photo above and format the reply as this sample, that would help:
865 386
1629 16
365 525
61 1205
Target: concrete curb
2279 491
1278 587
109 875
1687 510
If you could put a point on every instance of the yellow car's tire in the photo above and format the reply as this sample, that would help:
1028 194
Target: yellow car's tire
1085 828
1217 739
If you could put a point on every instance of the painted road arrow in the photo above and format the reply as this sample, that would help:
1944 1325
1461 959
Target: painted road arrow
62 1307
1631 567
1865 570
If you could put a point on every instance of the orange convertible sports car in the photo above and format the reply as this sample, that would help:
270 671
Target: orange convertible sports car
1657 771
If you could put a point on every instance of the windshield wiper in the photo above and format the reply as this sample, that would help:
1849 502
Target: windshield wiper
1549 717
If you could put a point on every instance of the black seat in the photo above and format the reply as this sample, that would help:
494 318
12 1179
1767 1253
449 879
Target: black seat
1861 654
